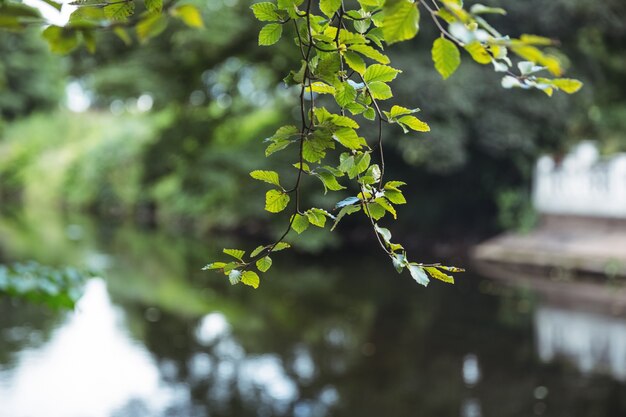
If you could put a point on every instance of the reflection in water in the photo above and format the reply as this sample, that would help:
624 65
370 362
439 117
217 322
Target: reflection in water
101 367
164 339
591 341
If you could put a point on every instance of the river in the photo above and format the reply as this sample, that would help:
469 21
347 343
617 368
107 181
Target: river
338 336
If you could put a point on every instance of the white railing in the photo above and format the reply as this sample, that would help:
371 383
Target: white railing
582 184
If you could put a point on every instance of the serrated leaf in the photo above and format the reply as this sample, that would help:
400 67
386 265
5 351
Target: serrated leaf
329 181
419 275
276 201
437 274
394 184
568 85
345 94
354 61
375 210
395 196
154 6
264 264
401 21
446 57
119 11
370 114
321 88
397 111
370 52
265 11
329 7
251 279
281 246
314 149
343 121
189 14
380 90
347 210
478 52
235 253
234 276
378 72
349 138
317 217
257 250
414 123
270 177
276 146
270 34
387 206
214 265
481 9
300 223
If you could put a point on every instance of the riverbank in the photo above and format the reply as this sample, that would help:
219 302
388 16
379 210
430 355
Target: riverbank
562 245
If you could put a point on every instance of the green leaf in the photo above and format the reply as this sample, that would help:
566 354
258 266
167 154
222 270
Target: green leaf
395 196
478 52
377 72
300 223
375 210
446 57
119 11
264 263
370 52
154 6
329 181
329 7
281 246
317 217
251 279
419 275
190 15
150 26
270 177
437 274
214 265
321 88
256 251
370 114
384 233
414 123
270 34
354 61
314 148
265 11
276 146
401 21
276 201
235 253
345 94
397 111
394 185
349 138
387 206
344 121
234 276
481 9
380 90
568 85
346 210
61 40
123 35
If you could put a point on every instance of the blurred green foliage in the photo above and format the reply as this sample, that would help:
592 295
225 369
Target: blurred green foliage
30 77
216 95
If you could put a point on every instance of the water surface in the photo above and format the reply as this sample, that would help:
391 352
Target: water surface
342 336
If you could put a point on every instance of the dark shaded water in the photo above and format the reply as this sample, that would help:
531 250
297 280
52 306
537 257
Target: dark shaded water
321 337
